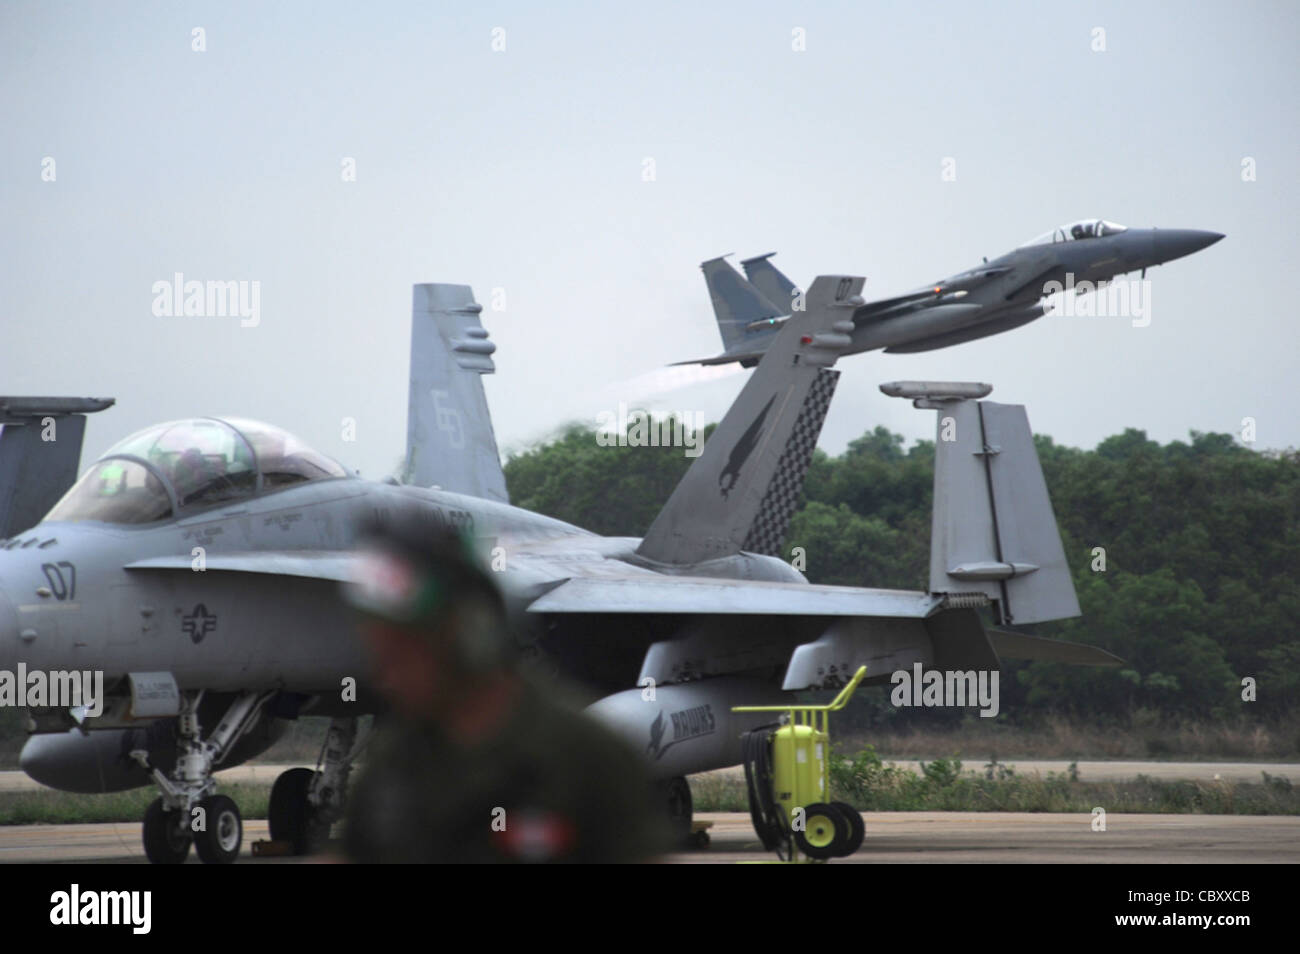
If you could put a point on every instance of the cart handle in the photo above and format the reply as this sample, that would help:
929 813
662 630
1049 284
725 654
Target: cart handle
835 705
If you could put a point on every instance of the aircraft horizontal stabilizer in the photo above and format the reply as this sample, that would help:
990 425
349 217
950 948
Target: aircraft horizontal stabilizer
1022 646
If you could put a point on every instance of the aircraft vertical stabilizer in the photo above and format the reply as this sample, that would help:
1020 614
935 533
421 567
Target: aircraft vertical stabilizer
449 437
736 304
771 281
740 493
993 530
40 448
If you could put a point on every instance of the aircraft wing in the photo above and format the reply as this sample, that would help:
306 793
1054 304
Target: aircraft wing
691 596
648 594
724 358
695 595
883 629
313 564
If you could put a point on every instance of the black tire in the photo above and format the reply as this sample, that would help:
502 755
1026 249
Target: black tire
166 841
679 807
825 832
289 814
219 844
857 830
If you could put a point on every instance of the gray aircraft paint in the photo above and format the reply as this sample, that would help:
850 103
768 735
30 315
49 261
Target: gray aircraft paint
449 439
688 605
769 280
993 526
991 298
40 445
715 507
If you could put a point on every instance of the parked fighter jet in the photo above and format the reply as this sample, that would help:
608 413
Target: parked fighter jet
196 564
991 298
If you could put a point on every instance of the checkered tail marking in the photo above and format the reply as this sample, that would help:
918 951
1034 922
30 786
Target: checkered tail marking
773 519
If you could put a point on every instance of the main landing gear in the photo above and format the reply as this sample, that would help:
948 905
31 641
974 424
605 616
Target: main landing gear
305 804
675 795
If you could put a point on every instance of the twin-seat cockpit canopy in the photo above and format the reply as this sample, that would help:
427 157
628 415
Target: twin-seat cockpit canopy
167 470
1083 229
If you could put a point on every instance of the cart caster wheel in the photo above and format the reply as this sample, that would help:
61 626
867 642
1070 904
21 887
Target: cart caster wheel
825 833
857 830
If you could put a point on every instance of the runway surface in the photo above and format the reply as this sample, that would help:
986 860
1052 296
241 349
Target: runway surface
909 837
15 781
893 837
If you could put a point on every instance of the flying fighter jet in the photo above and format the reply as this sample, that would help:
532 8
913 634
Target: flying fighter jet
986 300
196 564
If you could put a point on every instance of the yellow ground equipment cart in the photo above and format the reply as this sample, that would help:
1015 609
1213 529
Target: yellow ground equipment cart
787 771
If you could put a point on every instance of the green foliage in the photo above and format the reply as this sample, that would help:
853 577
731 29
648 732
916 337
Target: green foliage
941 773
868 784
1000 770
1277 783
613 491
49 807
844 548
13 733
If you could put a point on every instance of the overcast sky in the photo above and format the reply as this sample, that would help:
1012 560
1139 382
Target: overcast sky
523 169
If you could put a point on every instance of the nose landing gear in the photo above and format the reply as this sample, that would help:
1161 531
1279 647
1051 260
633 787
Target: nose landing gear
189 811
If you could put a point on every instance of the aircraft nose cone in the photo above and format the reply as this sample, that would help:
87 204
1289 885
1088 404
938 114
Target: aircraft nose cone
1175 243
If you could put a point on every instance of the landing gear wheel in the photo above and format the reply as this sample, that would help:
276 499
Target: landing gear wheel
857 830
166 840
677 792
219 844
290 814
825 833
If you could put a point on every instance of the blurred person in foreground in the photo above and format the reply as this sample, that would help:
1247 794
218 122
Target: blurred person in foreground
474 763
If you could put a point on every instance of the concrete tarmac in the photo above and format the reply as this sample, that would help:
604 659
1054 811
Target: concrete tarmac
908 837
16 781
1035 838
892 837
